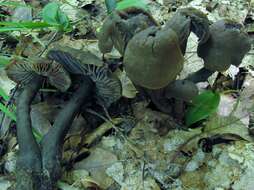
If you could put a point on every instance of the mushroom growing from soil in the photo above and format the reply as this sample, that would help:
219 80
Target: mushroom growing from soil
120 26
227 45
108 87
181 91
39 163
152 55
153 58
188 20
22 72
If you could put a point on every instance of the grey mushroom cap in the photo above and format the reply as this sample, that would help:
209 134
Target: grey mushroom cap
23 71
227 45
108 88
120 26
182 90
153 58
188 20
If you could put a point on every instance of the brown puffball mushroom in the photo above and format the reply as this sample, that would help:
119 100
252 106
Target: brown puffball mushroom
22 72
227 45
120 26
153 58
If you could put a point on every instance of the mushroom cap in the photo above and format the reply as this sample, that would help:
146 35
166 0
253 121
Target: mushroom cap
199 23
22 71
108 88
73 60
182 90
153 58
105 42
121 26
227 45
186 20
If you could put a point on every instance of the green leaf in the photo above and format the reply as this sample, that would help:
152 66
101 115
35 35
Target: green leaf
19 26
64 22
4 95
50 13
53 15
38 136
203 106
12 4
124 4
111 5
4 60
3 15
5 110
26 24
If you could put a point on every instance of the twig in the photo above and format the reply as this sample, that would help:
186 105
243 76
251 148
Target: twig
47 45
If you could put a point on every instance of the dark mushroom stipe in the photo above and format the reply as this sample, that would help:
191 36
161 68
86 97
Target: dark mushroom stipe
38 166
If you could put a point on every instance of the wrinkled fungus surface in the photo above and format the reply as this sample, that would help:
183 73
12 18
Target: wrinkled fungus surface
153 58
227 45
120 27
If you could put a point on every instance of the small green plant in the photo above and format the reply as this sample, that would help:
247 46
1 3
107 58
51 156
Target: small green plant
4 108
11 4
4 95
4 60
111 5
124 4
52 17
7 112
203 105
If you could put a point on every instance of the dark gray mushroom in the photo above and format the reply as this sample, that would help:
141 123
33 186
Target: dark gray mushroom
227 45
107 86
186 20
120 26
153 58
181 90
23 71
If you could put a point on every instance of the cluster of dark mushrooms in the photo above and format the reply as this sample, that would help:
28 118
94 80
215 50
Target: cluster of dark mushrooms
153 57
39 163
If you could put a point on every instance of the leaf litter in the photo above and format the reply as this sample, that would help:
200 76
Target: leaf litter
147 159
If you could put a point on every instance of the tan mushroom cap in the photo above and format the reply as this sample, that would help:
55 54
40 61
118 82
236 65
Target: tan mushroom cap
22 71
227 45
153 58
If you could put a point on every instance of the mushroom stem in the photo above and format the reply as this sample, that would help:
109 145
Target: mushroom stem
29 160
179 109
52 142
38 167
200 76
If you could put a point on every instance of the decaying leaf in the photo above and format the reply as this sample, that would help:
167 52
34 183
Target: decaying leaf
129 90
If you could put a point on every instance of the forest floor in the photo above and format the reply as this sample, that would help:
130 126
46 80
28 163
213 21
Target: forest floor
141 149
